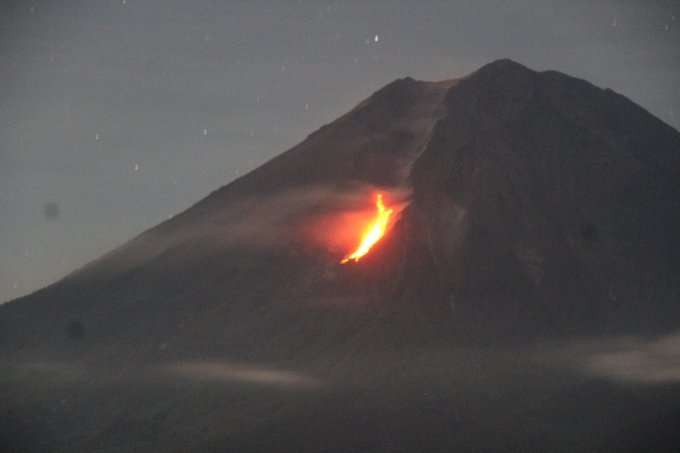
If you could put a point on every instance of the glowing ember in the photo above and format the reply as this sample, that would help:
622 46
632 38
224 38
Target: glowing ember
373 232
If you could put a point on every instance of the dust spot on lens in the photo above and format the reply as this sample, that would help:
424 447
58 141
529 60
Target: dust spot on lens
51 211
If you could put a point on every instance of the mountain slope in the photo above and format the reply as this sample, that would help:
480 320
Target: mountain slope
241 247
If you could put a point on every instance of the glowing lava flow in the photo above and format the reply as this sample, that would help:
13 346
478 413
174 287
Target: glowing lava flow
373 232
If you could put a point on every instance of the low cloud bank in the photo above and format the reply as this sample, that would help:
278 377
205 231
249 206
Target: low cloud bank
232 372
644 361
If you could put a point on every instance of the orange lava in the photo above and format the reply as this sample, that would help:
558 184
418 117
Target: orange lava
373 232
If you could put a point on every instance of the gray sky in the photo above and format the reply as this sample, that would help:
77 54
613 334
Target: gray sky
117 114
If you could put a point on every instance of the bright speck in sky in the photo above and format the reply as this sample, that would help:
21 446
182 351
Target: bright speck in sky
376 38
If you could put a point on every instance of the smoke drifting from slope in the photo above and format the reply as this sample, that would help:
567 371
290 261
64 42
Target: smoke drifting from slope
325 217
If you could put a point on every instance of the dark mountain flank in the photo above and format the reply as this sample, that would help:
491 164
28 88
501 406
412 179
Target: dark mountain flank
545 198
537 208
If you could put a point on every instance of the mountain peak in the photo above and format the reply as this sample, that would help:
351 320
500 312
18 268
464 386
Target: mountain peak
505 73
503 65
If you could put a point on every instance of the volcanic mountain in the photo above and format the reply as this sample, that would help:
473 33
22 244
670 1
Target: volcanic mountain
531 206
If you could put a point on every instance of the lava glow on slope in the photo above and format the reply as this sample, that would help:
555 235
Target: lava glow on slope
373 232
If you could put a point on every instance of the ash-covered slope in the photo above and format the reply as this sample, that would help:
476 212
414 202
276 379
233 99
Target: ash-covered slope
237 272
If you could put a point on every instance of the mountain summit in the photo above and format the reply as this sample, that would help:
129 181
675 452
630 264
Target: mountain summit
532 205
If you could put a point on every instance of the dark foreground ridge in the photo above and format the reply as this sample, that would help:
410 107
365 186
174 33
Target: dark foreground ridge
543 210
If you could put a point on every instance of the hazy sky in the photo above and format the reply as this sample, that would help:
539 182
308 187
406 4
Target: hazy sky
117 114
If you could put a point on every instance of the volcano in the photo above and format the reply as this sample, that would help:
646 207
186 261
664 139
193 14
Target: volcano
533 207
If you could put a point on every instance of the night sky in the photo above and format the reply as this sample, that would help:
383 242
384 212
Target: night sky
115 115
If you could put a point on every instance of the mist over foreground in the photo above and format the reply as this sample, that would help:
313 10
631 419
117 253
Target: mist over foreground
525 297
